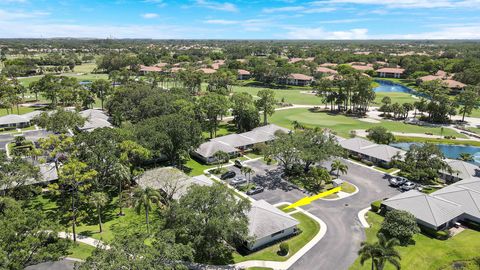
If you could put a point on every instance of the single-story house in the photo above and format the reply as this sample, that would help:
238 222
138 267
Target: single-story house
460 170
299 79
326 70
328 65
235 143
94 119
390 72
148 69
362 68
12 121
442 208
267 224
206 151
47 174
171 181
454 86
380 154
243 74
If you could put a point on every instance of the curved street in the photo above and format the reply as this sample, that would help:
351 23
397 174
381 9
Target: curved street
338 248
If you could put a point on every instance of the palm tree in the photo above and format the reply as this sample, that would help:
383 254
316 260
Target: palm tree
247 171
297 125
340 167
466 157
145 198
121 175
221 157
99 200
387 253
368 251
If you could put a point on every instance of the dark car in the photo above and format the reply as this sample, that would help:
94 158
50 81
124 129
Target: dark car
229 174
255 190
238 164
397 181
238 181
408 186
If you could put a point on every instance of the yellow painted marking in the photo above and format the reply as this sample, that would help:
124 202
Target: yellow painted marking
308 200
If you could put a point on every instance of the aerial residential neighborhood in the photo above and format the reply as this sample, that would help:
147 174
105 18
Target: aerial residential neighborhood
254 135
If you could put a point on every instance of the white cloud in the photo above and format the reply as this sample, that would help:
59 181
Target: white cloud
455 31
320 33
408 3
252 25
283 9
12 15
217 5
150 15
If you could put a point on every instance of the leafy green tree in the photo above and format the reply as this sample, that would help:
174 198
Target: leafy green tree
99 200
60 121
221 157
247 171
122 176
315 146
212 233
102 89
75 179
283 149
422 163
15 173
380 135
266 103
386 252
368 251
244 111
172 135
339 167
400 225
27 237
316 178
145 199
213 106
129 250
469 99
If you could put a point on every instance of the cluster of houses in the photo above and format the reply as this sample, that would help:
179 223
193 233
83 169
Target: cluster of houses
235 144
266 223
445 78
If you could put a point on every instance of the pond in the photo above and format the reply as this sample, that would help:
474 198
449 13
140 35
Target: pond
387 86
450 151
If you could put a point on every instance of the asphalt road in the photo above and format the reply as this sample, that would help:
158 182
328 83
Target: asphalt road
338 249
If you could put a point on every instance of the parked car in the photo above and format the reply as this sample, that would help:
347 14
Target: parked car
229 174
238 181
408 186
397 181
238 164
255 190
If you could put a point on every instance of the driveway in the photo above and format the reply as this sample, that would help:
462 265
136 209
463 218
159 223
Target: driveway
338 249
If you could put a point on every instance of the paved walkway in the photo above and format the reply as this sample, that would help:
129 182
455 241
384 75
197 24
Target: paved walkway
85 240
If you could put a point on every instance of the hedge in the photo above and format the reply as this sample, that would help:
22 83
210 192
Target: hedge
375 206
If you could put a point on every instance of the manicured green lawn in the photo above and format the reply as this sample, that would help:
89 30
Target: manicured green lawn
395 97
80 251
85 68
196 168
282 207
289 96
343 124
427 253
309 229
21 110
348 188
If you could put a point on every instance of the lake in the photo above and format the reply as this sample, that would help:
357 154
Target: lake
450 151
387 86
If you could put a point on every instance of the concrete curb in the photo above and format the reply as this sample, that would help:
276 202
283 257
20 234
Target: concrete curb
361 217
346 196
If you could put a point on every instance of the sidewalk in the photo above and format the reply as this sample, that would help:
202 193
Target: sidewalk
84 239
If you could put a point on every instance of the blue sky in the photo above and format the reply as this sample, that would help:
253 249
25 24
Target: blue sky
242 19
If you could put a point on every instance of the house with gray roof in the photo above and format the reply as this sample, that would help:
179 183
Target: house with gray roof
171 181
206 151
380 154
94 119
267 224
235 143
12 121
442 208
460 170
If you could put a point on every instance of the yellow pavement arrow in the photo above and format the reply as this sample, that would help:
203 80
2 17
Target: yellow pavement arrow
308 200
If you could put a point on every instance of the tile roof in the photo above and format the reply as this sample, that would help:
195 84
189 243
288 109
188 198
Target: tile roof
209 149
326 70
391 70
12 119
462 169
301 77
